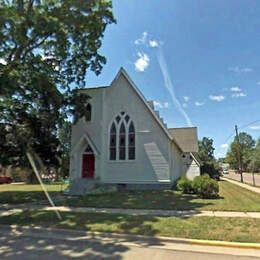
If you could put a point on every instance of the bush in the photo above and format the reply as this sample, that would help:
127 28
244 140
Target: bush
205 187
184 185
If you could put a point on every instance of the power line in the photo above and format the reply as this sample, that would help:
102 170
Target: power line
240 128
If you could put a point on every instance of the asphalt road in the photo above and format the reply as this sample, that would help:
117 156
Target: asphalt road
56 245
248 177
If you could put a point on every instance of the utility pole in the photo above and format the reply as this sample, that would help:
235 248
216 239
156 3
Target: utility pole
240 170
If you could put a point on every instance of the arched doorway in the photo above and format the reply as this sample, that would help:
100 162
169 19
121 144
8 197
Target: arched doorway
88 163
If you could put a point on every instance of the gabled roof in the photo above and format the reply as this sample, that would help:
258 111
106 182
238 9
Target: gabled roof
138 92
186 138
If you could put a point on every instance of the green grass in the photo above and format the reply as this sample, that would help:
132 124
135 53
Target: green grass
232 198
24 193
212 228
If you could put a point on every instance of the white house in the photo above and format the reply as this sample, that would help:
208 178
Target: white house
123 141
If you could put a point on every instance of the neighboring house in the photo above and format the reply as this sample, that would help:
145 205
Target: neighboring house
123 141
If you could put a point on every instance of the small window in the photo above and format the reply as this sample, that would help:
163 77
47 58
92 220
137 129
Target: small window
118 119
131 142
122 142
127 118
88 150
112 146
88 112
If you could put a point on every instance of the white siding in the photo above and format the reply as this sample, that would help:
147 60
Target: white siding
152 154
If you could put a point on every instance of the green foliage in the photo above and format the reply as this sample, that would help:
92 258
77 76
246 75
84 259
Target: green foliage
206 149
254 164
245 148
184 185
207 159
46 49
64 135
205 187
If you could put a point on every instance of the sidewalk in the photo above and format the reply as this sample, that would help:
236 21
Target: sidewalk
12 209
243 185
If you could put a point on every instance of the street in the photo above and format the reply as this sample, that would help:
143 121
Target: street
45 244
247 177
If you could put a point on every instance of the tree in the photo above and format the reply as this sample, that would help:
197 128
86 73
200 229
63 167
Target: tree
254 164
206 155
46 49
246 146
65 139
206 149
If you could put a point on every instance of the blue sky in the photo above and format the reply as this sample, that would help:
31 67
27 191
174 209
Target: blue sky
199 60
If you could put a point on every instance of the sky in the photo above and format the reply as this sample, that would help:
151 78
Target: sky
198 60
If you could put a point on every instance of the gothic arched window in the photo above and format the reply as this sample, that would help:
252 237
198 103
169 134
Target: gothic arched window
112 145
88 112
131 142
122 142
122 138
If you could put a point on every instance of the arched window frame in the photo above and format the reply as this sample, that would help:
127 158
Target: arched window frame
113 145
122 119
89 112
131 146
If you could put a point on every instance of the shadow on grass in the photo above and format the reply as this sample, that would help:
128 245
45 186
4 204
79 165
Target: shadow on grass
165 200
18 197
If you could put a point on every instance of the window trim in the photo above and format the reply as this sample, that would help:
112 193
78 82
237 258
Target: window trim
118 125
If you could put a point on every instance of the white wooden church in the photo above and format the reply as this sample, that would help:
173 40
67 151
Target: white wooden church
124 142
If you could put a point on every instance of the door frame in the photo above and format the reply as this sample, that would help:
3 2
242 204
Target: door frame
92 152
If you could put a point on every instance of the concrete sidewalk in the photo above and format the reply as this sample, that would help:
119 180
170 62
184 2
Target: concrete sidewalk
11 209
243 185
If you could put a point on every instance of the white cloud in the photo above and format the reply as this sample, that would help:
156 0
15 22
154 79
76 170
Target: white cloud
218 98
255 127
153 43
236 89
198 104
238 94
3 61
186 98
224 146
185 105
159 104
142 62
142 39
240 70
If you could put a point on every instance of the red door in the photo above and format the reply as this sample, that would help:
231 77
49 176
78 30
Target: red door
88 165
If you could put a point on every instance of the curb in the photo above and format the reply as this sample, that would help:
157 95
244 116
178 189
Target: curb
127 237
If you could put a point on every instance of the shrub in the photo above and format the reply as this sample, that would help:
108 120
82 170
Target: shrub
205 187
184 185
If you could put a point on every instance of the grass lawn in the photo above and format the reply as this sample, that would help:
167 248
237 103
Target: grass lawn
23 193
232 198
228 229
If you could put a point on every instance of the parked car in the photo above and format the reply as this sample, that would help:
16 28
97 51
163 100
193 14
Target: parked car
5 180
225 171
